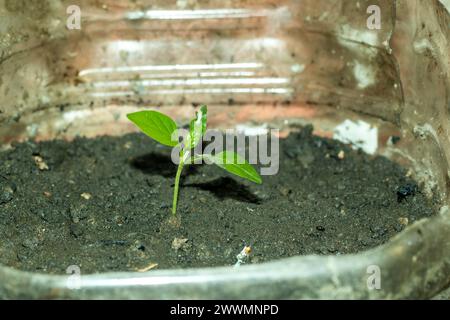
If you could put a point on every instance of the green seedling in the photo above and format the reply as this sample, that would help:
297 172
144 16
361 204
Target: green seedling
161 128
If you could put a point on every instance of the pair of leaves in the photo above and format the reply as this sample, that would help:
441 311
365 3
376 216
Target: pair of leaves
161 128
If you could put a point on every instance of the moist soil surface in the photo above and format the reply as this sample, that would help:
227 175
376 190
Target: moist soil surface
104 205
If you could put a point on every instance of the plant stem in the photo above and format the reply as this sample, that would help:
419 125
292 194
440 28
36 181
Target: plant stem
177 182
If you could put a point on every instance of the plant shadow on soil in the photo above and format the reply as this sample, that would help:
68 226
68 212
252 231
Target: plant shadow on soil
227 188
104 204
222 188
158 163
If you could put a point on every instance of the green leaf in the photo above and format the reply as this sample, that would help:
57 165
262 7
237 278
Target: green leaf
156 125
233 163
197 126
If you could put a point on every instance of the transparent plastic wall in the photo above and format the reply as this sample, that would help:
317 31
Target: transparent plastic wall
161 53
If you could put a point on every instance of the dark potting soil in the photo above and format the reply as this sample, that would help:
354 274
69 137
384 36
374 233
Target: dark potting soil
104 205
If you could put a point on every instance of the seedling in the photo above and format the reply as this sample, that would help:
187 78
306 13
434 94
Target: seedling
161 128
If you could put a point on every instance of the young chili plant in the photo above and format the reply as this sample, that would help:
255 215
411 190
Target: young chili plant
161 128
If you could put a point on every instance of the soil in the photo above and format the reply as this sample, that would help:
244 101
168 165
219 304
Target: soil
104 205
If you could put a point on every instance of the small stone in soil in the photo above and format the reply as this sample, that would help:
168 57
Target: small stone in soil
128 145
179 243
40 163
86 195
403 221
